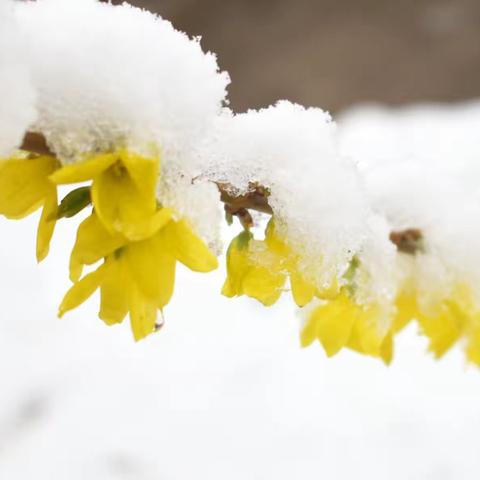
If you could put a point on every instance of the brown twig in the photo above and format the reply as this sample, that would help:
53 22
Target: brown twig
35 143
408 241
256 198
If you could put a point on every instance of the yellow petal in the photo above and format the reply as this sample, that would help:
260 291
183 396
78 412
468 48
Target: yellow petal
152 267
166 264
473 342
143 313
263 284
302 291
113 292
46 225
82 290
122 205
266 277
93 243
154 223
188 248
85 170
24 184
407 310
237 265
386 349
253 270
75 268
145 228
329 292
274 242
143 171
332 324
443 328
367 336
308 333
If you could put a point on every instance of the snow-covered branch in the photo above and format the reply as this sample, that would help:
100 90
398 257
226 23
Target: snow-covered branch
366 234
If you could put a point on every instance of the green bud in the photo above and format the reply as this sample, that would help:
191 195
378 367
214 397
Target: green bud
349 275
74 202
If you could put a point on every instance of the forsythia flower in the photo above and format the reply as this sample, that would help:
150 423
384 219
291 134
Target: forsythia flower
24 188
123 190
444 323
136 277
341 322
253 270
138 241
259 269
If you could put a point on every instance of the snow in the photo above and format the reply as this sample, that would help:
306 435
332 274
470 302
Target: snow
111 76
17 110
420 165
223 391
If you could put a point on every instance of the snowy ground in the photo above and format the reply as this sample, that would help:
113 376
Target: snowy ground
223 392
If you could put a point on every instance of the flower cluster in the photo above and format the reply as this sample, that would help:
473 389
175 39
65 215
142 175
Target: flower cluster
131 115
138 240
260 270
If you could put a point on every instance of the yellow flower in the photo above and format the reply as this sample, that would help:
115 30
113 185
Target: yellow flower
123 190
444 321
259 269
136 277
342 323
302 290
24 188
253 270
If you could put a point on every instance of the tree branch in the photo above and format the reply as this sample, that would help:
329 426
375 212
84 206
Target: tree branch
35 143
409 241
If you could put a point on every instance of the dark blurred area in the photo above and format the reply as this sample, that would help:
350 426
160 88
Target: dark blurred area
334 53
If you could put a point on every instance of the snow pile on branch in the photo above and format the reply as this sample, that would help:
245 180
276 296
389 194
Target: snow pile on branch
316 195
108 77
117 75
421 170
17 110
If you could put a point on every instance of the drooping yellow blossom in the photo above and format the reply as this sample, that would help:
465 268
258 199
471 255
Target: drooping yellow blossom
24 188
253 270
302 290
341 322
259 269
123 190
136 277
444 322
